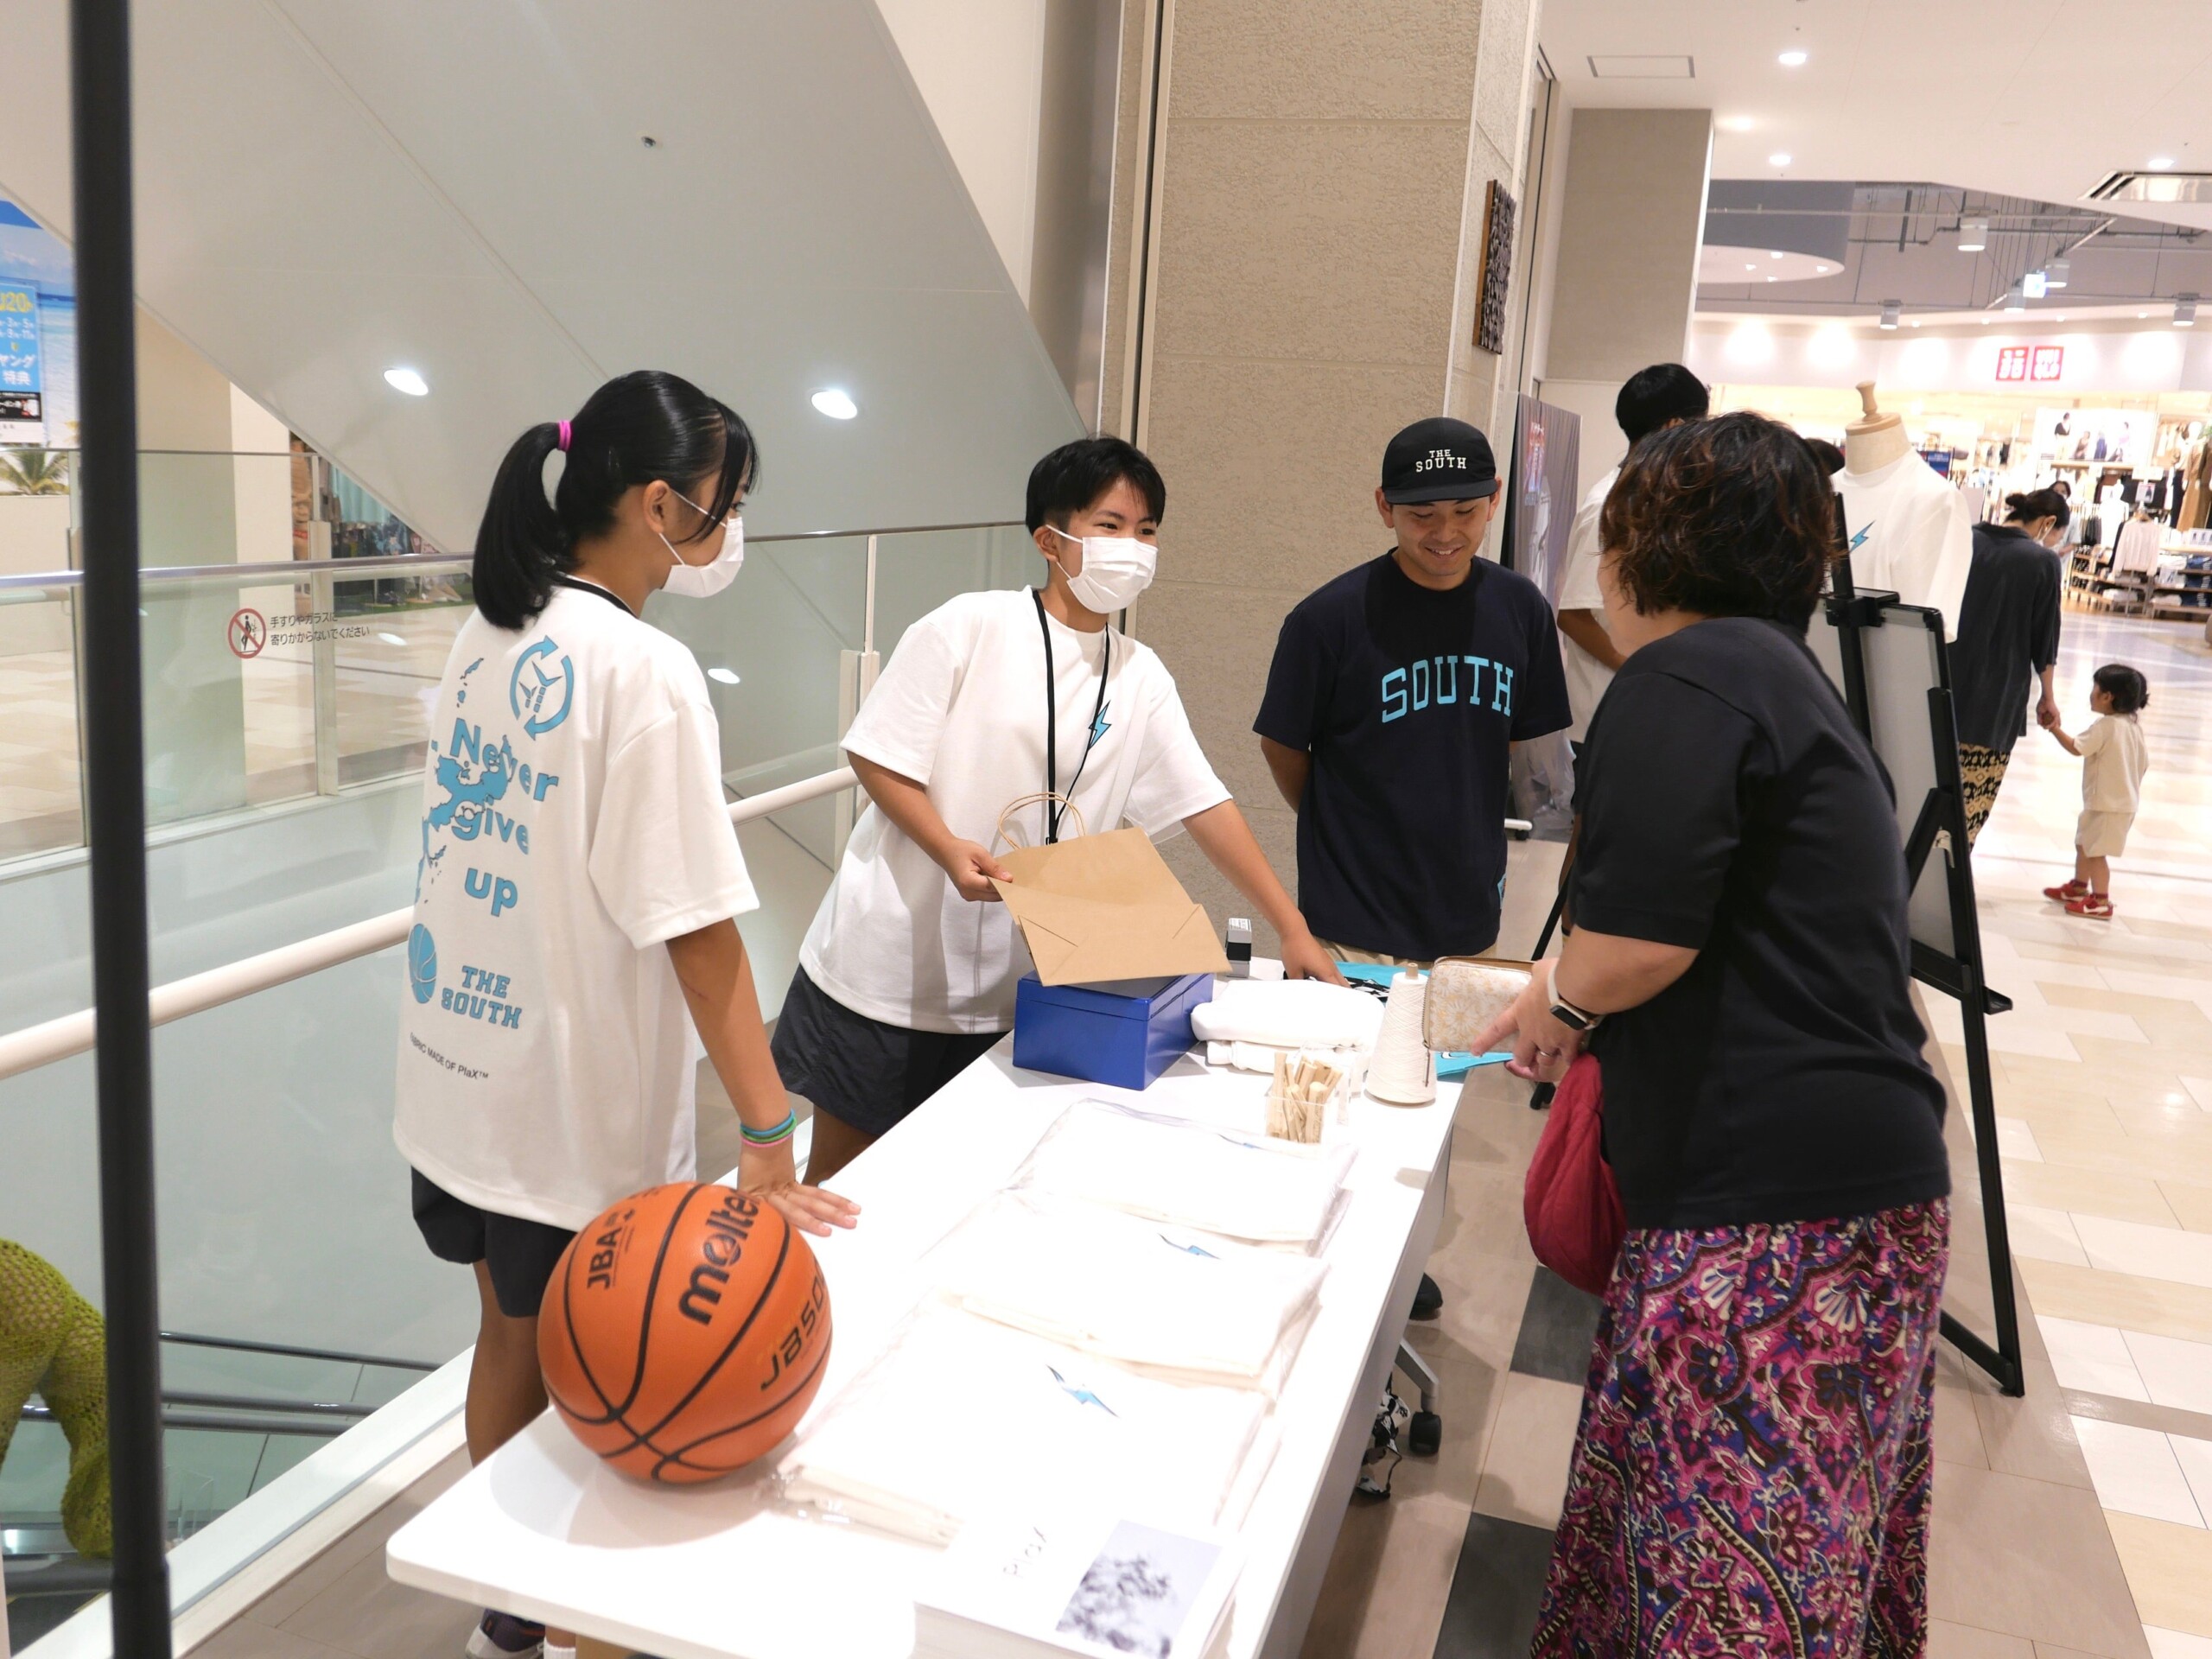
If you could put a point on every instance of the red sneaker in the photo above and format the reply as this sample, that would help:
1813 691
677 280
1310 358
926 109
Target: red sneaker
2096 905
2068 890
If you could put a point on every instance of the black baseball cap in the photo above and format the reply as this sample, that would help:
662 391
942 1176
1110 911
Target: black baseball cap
1439 459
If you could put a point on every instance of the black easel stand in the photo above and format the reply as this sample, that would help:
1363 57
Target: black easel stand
1942 824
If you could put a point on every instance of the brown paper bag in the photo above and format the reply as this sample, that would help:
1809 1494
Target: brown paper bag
1107 907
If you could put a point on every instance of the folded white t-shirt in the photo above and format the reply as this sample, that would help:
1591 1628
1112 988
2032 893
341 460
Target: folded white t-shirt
960 709
1288 1014
1188 1174
961 1417
1131 1290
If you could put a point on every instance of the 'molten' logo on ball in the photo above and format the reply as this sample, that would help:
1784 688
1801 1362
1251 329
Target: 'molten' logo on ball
728 1228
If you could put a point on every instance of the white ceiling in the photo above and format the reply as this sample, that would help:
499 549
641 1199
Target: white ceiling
327 188
2031 98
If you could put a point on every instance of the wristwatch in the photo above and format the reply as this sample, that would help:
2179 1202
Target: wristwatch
1565 1012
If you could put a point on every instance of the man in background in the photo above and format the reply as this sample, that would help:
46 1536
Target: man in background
1662 395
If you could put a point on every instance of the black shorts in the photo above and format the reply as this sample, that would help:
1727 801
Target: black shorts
521 1255
864 1073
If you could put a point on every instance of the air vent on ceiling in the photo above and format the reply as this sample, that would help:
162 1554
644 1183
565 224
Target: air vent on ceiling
1633 67
2154 187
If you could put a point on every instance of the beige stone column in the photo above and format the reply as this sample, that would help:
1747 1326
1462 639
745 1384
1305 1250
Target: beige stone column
1315 191
1625 281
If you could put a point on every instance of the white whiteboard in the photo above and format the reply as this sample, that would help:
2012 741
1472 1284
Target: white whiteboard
1905 661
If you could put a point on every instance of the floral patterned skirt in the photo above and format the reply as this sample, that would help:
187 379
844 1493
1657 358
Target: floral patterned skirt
1751 1474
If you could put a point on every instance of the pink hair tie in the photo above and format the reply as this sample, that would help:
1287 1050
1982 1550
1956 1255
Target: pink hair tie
564 437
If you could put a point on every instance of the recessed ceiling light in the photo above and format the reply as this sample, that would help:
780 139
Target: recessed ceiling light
726 676
1780 158
1774 279
1774 256
1823 269
2160 163
407 380
391 638
837 402
1735 124
1751 267
1793 58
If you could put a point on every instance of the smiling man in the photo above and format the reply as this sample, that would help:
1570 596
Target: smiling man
1396 693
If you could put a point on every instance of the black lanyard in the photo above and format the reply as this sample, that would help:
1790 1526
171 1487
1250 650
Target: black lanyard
614 598
1053 809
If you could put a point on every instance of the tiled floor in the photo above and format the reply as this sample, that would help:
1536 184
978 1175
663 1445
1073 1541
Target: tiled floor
2077 1521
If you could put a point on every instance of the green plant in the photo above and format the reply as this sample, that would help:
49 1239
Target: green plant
34 471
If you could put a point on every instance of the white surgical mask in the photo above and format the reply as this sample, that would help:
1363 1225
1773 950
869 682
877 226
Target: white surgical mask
1115 569
705 581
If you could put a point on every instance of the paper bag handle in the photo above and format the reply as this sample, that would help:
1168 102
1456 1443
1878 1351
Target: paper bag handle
1041 797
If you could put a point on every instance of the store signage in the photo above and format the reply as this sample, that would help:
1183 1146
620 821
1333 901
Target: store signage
2035 363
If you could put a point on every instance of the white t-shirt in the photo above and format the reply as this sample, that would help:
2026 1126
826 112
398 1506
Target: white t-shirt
1587 677
960 709
573 823
1909 534
2113 759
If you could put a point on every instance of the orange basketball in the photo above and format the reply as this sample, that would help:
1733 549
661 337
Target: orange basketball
684 1332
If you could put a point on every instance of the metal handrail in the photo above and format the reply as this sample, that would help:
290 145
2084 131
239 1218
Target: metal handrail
72 1033
401 564
320 1429
348 1408
248 1345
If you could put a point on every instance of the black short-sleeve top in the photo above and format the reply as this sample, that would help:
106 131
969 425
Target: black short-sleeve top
1729 804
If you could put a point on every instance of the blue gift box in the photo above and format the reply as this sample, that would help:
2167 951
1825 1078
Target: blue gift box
1125 1033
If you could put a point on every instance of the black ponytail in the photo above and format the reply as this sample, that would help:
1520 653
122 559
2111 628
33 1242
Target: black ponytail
2045 503
637 427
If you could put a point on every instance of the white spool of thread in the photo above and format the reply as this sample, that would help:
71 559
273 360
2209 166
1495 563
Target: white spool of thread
1403 1072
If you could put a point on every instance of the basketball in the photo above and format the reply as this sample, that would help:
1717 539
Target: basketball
684 1332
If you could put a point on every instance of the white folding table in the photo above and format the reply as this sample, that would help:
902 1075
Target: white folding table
542 1530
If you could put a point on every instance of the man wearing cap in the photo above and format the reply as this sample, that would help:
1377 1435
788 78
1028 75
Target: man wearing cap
1396 692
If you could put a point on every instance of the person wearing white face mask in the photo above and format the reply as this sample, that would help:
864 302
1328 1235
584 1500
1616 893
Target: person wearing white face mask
908 973
578 884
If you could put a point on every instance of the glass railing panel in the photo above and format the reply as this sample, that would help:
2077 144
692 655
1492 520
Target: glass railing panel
770 644
918 572
41 773
40 784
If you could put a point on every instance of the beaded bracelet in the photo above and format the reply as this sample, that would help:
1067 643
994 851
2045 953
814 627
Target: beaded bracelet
774 1137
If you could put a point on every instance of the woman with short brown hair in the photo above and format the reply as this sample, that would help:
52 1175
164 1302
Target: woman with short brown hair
1751 1472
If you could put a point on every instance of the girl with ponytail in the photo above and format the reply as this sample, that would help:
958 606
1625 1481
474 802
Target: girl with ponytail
579 881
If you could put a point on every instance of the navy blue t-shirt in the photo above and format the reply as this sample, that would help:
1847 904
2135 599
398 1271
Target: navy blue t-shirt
1407 699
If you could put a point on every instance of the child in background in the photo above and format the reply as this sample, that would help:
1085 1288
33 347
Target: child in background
2113 761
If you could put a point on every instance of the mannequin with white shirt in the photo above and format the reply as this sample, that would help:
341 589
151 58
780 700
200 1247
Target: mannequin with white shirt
1909 531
